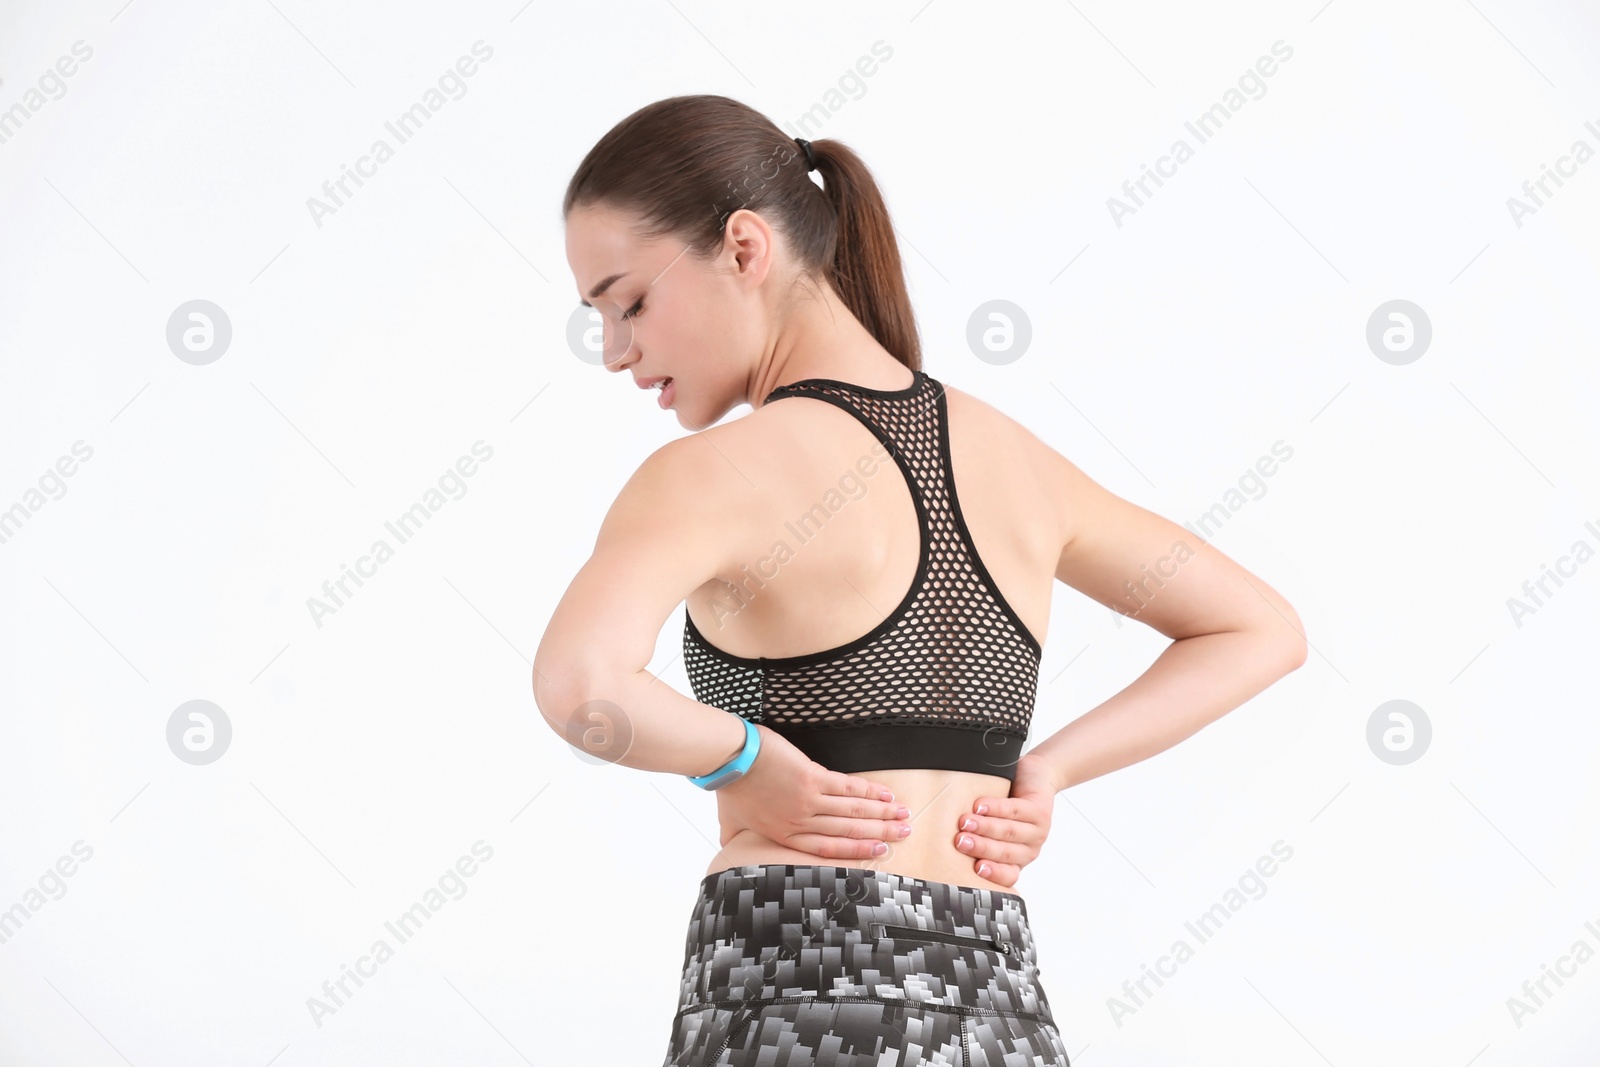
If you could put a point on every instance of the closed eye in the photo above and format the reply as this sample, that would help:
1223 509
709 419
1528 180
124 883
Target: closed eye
638 306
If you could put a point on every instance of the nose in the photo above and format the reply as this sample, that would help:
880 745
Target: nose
621 361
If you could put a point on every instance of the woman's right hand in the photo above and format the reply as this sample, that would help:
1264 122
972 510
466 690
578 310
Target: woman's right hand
796 802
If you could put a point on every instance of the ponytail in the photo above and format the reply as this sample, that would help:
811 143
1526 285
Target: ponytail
866 270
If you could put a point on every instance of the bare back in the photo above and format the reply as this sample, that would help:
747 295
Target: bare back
790 589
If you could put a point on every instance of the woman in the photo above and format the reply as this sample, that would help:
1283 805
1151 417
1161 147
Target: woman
863 641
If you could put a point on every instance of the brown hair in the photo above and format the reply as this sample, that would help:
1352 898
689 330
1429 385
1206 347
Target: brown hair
684 164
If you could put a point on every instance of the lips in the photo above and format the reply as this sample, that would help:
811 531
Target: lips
646 383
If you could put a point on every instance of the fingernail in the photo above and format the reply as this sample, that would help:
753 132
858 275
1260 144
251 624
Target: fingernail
969 823
905 830
983 809
887 796
983 869
879 848
902 813
965 842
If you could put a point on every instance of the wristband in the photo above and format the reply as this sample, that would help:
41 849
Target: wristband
735 768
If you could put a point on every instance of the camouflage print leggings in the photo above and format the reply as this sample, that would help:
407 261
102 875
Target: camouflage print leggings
792 965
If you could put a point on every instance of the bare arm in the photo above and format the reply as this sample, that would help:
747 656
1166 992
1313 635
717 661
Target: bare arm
663 538
1233 635
657 544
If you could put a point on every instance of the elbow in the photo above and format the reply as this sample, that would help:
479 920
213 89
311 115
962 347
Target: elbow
570 669
582 709
1291 639
572 698
558 692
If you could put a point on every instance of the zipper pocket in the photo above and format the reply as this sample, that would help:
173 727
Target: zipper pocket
735 1028
912 933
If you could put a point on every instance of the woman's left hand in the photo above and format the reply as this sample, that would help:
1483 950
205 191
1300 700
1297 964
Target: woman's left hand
1006 833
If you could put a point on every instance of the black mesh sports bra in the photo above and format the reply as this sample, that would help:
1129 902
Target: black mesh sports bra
947 681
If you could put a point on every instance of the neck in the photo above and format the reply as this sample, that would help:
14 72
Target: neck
821 338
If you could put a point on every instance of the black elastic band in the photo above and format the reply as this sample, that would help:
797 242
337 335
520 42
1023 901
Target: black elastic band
811 157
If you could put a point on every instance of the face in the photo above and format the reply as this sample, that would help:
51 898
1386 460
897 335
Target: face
668 314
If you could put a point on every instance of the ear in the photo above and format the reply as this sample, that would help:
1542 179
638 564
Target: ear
750 242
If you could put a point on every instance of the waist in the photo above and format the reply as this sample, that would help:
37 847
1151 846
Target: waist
936 799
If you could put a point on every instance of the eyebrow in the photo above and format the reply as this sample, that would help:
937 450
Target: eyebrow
605 283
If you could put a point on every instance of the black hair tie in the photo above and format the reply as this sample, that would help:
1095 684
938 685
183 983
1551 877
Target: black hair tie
811 157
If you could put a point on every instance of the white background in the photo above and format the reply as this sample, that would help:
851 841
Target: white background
1168 354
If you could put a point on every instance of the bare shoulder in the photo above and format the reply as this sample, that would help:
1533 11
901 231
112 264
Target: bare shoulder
744 461
984 416
998 444
710 483
695 469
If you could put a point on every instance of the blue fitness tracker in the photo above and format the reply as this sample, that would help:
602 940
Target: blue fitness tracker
735 768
